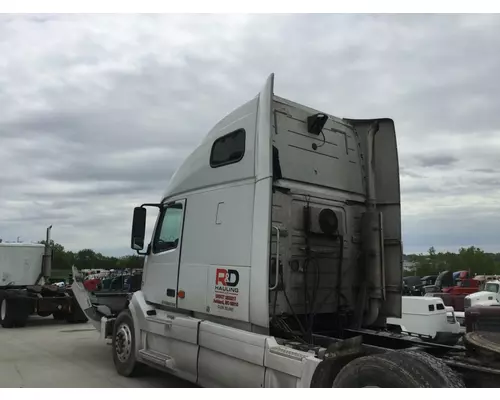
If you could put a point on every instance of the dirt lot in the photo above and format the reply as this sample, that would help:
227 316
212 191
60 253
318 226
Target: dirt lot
52 354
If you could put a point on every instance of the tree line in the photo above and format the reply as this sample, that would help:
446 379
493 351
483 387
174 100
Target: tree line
64 259
471 259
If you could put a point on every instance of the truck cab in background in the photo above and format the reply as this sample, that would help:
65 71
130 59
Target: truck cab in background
25 270
428 318
489 296
453 288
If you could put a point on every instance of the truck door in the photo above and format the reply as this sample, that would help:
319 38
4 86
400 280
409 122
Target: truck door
162 269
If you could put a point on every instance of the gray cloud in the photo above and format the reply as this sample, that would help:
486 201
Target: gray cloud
99 110
436 160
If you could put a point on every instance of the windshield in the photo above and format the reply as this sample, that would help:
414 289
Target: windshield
491 287
411 280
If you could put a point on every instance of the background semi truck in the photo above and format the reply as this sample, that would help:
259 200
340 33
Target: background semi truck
25 270
276 260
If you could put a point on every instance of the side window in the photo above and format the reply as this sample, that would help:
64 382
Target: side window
168 232
228 149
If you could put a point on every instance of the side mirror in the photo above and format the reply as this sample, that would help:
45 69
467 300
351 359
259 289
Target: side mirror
138 229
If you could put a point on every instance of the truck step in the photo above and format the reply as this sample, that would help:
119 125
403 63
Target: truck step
158 358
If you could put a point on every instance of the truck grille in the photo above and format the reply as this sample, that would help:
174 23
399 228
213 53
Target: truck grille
487 324
467 303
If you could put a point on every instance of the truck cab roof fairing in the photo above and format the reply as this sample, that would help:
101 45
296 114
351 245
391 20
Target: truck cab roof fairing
193 173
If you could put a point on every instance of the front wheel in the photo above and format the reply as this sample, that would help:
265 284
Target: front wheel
123 343
397 369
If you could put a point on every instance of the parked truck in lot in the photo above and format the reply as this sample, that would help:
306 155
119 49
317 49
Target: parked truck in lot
428 318
24 271
276 260
482 309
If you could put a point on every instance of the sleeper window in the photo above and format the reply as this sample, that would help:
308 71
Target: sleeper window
169 229
228 149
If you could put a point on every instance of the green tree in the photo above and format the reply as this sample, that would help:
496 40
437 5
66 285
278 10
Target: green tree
471 259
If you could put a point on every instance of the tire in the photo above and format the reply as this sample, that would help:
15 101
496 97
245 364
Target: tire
484 344
123 344
59 315
23 310
6 312
14 312
44 314
397 369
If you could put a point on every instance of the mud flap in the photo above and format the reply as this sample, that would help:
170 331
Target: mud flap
83 299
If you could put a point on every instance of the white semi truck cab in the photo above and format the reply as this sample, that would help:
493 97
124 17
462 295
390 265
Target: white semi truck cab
275 260
489 296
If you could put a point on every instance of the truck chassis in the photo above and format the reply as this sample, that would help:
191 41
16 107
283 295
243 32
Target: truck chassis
18 303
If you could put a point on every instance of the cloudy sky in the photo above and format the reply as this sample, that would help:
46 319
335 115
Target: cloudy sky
96 112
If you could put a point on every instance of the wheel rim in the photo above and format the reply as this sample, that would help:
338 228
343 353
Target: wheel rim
123 343
3 311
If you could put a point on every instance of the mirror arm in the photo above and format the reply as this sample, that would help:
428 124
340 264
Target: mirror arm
158 205
145 253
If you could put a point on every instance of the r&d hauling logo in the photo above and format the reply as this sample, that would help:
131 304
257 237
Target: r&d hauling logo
226 291
226 280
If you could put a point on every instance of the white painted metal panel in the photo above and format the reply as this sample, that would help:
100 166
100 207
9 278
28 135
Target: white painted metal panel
261 235
181 327
216 239
20 263
172 334
217 370
184 354
246 346
195 172
277 379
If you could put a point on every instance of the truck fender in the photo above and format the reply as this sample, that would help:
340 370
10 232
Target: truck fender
12 293
82 297
337 356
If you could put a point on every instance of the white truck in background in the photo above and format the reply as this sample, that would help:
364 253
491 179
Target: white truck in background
428 318
489 296
25 269
276 260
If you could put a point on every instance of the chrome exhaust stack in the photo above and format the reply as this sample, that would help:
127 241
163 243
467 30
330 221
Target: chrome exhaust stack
47 256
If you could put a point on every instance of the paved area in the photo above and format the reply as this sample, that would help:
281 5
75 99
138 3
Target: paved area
52 354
